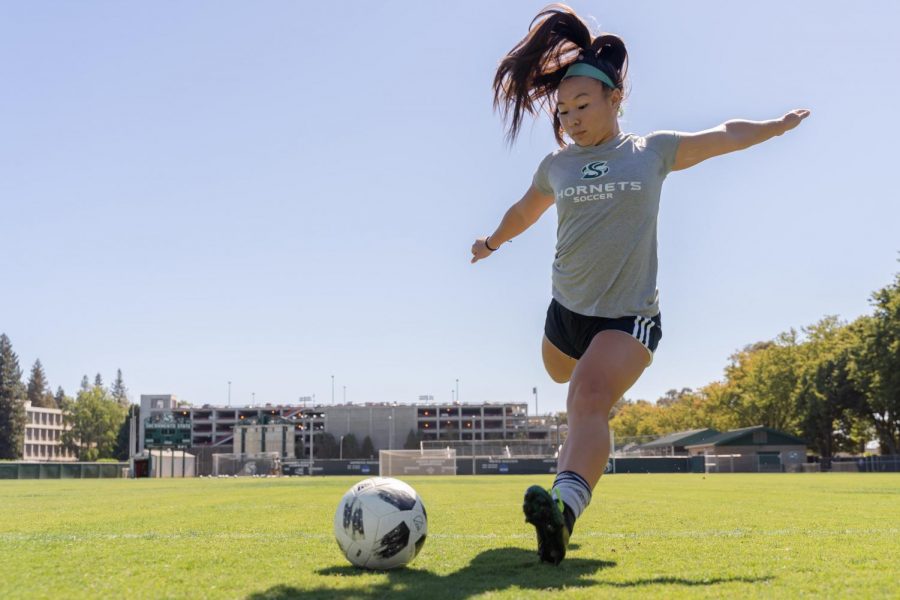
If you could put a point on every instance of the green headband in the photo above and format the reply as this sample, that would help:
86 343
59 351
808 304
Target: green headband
585 70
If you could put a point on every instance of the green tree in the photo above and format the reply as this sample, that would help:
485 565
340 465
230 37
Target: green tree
119 392
828 398
368 448
37 390
98 381
60 398
635 419
12 402
350 446
763 381
326 446
715 410
85 384
94 419
412 441
876 364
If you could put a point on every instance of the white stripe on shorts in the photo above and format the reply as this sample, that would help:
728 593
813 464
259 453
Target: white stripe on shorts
649 327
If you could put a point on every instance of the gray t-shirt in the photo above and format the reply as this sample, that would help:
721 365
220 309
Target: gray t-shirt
607 201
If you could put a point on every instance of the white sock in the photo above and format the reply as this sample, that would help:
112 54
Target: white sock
574 491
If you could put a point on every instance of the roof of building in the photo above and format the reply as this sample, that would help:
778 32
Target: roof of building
745 437
682 438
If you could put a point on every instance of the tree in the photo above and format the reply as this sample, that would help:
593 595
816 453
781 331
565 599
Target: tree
876 364
350 447
412 441
85 384
119 392
762 383
326 446
37 391
828 398
368 448
94 420
98 381
60 398
12 403
635 419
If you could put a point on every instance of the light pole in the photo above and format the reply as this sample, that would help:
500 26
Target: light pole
391 430
534 391
312 449
341 451
332 389
229 394
457 389
345 394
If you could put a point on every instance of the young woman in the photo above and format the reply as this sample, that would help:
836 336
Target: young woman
603 323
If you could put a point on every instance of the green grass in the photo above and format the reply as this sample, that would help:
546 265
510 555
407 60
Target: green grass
735 536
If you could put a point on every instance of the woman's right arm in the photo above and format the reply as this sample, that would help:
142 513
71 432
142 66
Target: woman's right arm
520 216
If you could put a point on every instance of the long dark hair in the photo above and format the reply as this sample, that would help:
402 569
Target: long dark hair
530 73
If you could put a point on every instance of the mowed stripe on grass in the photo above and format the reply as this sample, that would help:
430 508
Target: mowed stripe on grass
777 535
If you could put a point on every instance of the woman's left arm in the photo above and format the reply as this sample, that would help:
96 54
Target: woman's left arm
731 136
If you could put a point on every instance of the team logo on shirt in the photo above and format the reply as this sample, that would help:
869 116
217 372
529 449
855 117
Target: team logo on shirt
593 170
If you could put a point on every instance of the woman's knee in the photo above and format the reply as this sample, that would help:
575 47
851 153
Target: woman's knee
589 398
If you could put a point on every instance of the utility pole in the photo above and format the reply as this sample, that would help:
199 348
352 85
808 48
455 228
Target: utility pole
312 443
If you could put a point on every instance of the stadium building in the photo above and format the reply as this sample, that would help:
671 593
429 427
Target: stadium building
387 425
43 435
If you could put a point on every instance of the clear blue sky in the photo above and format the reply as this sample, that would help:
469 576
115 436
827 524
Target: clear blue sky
275 193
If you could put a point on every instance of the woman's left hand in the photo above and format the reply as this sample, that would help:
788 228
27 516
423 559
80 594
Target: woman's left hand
793 118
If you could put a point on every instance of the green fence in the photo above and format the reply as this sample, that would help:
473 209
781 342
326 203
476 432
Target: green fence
69 470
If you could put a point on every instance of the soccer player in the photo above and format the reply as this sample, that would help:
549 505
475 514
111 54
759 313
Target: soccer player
603 323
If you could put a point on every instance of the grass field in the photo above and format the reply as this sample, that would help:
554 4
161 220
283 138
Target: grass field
669 536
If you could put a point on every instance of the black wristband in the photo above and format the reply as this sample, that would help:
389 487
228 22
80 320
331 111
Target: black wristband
486 245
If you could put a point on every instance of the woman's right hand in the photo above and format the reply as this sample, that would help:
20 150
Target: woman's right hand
480 250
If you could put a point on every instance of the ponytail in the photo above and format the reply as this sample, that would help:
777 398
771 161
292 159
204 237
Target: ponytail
529 75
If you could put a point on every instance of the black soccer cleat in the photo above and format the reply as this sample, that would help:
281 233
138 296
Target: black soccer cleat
546 514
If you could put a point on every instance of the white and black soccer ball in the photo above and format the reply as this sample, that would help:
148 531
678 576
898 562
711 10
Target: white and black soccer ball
380 523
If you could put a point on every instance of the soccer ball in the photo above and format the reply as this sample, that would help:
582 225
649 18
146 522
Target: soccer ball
380 523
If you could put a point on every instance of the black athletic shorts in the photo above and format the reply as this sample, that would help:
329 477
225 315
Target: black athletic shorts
572 333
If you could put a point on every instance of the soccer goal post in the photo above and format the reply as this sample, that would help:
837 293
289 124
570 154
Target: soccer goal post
393 463
246 465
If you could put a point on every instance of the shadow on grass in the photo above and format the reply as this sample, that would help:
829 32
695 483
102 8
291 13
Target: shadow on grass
491 571
683 581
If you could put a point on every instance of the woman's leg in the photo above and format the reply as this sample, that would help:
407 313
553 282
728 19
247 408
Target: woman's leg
611 365
559 365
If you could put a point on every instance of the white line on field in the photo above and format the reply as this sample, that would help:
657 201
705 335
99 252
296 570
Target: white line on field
79 537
